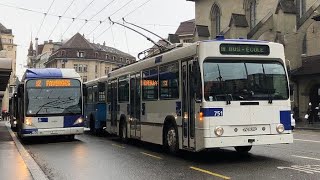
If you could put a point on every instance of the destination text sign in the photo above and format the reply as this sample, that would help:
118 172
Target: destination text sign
244 49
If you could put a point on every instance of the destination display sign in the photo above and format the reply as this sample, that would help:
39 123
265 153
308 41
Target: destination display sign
53 83
244 49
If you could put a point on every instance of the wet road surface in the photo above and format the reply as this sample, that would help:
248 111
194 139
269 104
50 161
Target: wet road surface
92 157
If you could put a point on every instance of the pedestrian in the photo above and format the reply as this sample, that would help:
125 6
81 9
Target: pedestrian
310 113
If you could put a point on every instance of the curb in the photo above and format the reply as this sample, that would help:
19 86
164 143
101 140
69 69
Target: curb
307 128
33 167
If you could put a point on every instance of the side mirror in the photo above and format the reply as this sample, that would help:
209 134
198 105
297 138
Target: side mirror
20 90
85 90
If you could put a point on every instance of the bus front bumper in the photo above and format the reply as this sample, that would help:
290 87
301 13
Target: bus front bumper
247 140
52 132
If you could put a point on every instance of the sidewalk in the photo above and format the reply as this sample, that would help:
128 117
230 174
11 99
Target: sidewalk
307 126
12 165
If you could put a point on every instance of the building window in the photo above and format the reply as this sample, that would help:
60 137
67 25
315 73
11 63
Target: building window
121 59
96 69
75 66
63 53
84 78
252 12
215 20
96 55
80 54
107 56
63 65
304 44
85 68
113 58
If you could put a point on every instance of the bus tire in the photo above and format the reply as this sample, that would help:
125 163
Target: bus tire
92 125
123 131
243 149
71 137
171 140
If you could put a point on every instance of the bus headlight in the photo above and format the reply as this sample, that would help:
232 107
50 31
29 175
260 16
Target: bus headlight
218 131
280 128
28 121
78 121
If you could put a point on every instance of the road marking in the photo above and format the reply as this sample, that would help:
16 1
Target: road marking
157 157
209 172
306 140
31 164
119 146
304 157
310 169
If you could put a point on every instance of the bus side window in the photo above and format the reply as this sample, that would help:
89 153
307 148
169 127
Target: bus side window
89 97
169 81
95 94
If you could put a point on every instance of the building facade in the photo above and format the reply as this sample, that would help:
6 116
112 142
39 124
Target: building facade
88 59
9 51
294 23
40 55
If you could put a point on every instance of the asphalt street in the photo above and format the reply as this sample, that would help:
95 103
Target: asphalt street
92 157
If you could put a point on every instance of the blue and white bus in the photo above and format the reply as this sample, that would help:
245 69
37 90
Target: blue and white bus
95 105
208 94
50 103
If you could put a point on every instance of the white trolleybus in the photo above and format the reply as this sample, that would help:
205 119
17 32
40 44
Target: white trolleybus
50 103
209 94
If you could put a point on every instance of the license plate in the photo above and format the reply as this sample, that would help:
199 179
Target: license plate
249 129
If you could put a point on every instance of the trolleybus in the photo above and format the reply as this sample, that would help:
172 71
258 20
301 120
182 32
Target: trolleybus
209 94
50 103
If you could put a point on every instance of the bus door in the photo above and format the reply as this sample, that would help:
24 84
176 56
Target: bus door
114 103
135 106
188 106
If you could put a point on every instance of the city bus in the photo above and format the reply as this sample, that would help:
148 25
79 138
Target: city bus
95 106
209 94
50 103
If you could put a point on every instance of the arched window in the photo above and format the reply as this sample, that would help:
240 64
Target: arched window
302 7
215 20
252 12
304 44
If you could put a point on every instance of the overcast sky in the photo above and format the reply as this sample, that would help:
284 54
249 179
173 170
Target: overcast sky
159 16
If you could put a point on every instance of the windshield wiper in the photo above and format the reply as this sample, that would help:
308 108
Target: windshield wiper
55 102
57 107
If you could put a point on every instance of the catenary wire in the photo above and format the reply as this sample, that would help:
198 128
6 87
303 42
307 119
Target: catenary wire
60 18
97 13
45 15
73 19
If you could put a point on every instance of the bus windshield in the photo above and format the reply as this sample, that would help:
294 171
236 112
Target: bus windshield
53 97
244 80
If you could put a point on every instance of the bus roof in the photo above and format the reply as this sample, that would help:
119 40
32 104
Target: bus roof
50 73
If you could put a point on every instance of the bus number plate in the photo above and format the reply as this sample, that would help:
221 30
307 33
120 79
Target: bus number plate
247 129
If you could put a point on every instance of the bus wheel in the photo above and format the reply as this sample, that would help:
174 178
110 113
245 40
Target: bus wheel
123 132
92 126
171 141
71 137
243 149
